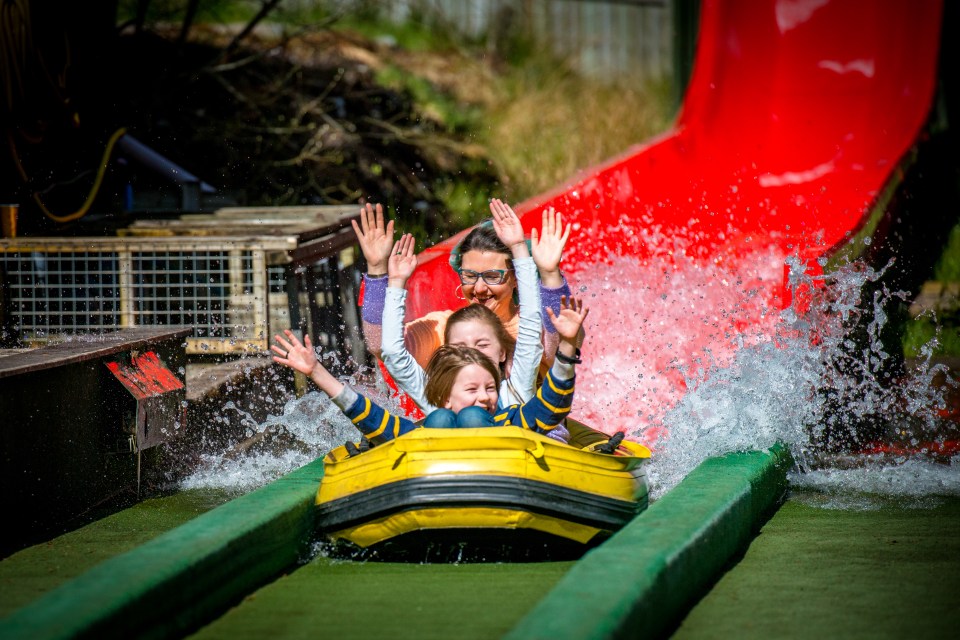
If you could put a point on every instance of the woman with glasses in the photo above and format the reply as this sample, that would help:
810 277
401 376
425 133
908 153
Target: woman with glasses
485 267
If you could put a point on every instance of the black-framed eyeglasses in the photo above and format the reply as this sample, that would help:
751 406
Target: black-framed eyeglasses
490 276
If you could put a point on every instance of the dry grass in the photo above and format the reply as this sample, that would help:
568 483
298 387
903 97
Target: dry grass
548 126
539 122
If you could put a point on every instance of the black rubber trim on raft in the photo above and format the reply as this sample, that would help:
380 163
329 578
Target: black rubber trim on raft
518 494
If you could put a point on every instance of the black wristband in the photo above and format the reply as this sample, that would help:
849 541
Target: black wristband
567 359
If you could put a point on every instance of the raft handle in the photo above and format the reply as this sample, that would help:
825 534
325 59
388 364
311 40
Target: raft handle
535 448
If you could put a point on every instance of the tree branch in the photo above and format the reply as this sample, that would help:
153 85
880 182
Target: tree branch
265 10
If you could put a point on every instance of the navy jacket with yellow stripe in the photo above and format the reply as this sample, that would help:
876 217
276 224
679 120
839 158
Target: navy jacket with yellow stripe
541 413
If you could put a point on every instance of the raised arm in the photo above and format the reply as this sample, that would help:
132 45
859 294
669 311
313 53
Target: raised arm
569 324
529 348
548 247
553 401
376 241
375 238
371 419
508 228
406 372
547 251
402 261
290 352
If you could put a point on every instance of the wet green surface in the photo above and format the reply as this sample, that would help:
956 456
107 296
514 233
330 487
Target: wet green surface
349 600
866 569
650 572
34 571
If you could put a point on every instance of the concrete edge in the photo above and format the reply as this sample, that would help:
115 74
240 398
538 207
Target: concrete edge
184 577
646 577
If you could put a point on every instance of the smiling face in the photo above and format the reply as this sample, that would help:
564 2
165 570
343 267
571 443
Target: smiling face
478 335
496 297
473 386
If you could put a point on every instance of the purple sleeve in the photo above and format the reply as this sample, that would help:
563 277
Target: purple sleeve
374 295
550 298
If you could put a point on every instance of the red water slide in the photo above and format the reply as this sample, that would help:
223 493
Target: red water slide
797 115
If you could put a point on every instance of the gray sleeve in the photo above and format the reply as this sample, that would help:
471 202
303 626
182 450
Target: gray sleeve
345 399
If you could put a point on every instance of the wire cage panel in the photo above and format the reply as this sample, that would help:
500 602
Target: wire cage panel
221 293
61 292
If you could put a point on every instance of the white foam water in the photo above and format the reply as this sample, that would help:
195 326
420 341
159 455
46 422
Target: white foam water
877 480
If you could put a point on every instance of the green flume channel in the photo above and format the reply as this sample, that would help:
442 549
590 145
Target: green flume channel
181 578
813 572
387 600
645 578
247 551
32 572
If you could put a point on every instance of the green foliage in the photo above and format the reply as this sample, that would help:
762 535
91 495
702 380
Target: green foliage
211 11
948 266
920 332
467 201
551 122
492 115
413 35
431 102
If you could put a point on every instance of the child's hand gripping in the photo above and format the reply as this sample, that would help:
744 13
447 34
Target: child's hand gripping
402 262
548 247
568 322
508 228
375 238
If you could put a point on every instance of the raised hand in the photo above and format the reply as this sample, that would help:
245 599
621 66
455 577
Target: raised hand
508 227
292 353
570 319
548 246
376 240
402 262
301 357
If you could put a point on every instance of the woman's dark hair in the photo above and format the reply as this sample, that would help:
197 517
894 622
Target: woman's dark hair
482 238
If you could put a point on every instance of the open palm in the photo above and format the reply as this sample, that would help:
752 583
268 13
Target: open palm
289 351
403 260
375 237
506 223
570 319
547 246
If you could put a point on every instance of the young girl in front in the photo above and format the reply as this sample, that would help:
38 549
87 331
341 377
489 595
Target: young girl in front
461 381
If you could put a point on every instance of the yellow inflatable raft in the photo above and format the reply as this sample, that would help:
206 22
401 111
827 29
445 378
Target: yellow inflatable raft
480 484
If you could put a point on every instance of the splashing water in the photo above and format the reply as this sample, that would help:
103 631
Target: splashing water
695 358
653 325
695 371
311 425
912 482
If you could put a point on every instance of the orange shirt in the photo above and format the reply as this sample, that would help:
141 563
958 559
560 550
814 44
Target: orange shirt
424 335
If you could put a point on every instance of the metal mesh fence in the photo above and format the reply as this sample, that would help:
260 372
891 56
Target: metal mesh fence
187 289
219 293
62 292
